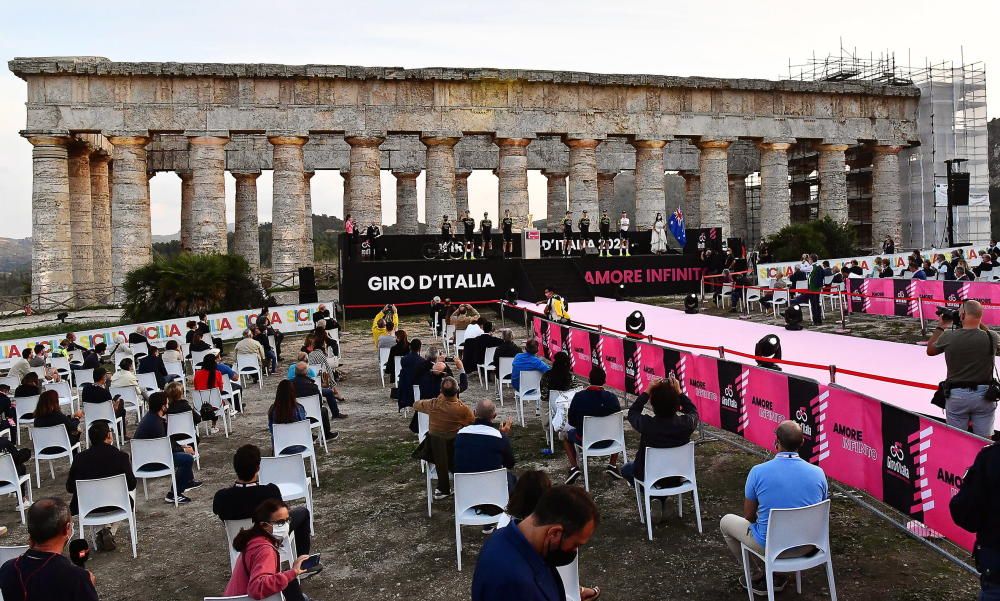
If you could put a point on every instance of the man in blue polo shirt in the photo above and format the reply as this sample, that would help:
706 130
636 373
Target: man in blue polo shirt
527 361
592 401
784 482
519 561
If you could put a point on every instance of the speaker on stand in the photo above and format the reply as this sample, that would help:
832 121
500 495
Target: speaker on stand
307 285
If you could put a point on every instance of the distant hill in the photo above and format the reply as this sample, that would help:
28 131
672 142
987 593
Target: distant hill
15 254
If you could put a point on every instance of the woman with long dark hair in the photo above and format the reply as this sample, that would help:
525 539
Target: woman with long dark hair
285 409
257 570
48 414
400 349
207 378
559 377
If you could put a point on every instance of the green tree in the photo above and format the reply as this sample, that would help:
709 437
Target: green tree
823 237
187 284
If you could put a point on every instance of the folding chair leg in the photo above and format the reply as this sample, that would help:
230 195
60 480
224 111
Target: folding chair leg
769 579
697 509
586 474
38 472
638 501
649 515
746 572
20 502
145 493
430 493
458 544
680 505
315 469
131 524
829 580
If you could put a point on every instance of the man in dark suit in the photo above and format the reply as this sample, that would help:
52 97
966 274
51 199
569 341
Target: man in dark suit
101 460
323 313
412 364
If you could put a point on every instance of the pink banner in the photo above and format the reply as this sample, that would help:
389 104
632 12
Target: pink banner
849 438
765 404
701 378
892 296
613 357
579 358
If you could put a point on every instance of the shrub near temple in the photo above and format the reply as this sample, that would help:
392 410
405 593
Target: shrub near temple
821 236
189 284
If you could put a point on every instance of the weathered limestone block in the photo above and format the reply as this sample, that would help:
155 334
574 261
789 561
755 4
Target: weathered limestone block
406 201
131 238
555 198
887 213
81 222
51 246
832 182
208 208
246 240
713 163
289 199
100 195
649 199
439 197
775 212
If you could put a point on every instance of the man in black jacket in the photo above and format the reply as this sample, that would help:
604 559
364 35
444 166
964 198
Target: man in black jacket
154 425
411 365
593 401
976 508
100 460
322 313
239 501
674 419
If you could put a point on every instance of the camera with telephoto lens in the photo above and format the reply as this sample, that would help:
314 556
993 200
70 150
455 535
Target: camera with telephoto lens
949 314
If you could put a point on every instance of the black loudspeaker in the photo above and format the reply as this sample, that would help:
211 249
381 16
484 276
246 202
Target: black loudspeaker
307 285
960 189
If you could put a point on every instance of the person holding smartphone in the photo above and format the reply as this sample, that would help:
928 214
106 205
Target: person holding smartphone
673 421
256 572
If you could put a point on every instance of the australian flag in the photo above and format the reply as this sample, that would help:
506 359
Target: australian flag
676 225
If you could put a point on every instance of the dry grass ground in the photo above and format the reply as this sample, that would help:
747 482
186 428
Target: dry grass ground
378 543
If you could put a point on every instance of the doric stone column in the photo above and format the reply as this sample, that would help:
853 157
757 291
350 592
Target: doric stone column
406 200
131 238
649 197
555 198
738 207
51 242
692 199
365 180
100 196
582 174
512 172
887 208
246 239
462 191
81 222
207 158
832 182
606 189
187 204
713 163
775 208
289 199
308 251
439 198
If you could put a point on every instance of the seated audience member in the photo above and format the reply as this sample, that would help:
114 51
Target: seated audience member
121 347
475 328
7 413
797 276
138 336
100 460
154 425
43 572
256 571
400 349
463 317
323 314
838 277
20 456
916 271
205 329
592 401
559 377
483 446
969 273
412 365
192 329
527 361
124 377
305 386
98 393
48 413
985 264
152 363
248 346
673 421
21 366
71 344
960 275
265 343
530 487
928 269
238 501
198 344
886 271
172 352
318 357
91 357
474 349
520 561
447 414
387 339
40 356
302 356
430 381
286 409
506 348
176 403
31 385
211 374
784 482
323 342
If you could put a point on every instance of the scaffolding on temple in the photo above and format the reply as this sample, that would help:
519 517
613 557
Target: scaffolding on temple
951 124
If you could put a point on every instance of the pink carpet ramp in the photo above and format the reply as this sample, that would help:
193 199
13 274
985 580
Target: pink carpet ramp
909 461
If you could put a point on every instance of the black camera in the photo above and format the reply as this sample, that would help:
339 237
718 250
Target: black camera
949 314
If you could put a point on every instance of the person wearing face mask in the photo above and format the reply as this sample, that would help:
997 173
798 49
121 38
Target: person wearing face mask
785 482
519 561
256 572
43 572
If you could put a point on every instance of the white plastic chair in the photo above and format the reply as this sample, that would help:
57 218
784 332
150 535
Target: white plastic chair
76 356
183 424
529 389
130 397
153 458
570 576
249 365
175 371
139 349
471 490
288 473
10 381
296 434
751 296
383 357
101 494
61 365
665 463
314 413
556 397
447 334
230 394
486 367
459 340
790 528
429 469
506 368
233 528
197 356
11 482
52 437
397 367
11 552
148 382
725 294
24 408
67 398
39 371
212 396
97 412
780 297
597 430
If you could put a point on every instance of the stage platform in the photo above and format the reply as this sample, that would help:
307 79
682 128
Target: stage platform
902 361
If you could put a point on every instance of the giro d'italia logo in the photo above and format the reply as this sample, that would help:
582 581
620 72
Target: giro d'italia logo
729 398
896 452
801 415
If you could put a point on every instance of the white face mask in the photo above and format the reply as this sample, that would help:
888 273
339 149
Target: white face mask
280 532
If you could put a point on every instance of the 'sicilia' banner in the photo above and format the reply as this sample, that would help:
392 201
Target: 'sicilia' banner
286 318
897 260
910 462
889 296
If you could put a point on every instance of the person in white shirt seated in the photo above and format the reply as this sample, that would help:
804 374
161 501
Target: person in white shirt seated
474 329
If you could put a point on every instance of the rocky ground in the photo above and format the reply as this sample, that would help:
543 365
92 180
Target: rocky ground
378 543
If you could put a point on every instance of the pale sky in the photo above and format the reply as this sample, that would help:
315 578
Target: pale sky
722 38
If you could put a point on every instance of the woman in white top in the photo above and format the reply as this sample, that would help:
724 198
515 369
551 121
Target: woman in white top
658 242
125 377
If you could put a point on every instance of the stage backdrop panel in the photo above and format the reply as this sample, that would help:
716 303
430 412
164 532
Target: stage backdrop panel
908 298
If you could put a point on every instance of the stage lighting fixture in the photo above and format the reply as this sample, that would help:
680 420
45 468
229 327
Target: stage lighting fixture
511 296
793 317
620 292
635 323
769 346
691 303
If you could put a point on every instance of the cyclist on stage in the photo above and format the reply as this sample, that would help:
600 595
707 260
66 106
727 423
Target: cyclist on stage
605 227
507 227
446 236
567 224
584 225
486 235
470 236
623 224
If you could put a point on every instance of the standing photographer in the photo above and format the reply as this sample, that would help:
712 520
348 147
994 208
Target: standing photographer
969 353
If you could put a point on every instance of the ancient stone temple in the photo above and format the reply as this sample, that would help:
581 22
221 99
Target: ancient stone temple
118 123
